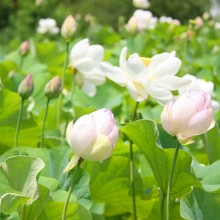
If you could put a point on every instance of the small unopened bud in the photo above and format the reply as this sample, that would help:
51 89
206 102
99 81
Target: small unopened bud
24 48
26 87
68 28
53 88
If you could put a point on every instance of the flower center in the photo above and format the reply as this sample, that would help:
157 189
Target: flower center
146 61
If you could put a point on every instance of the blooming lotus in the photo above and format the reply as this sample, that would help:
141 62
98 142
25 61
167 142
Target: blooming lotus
47 25
190 115
199 85
147 76
143 20
85 59
92 137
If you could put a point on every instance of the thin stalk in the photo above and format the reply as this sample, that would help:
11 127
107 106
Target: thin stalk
43 124
132 169
63 83
21 62
162 206
73 181
19 122
170 181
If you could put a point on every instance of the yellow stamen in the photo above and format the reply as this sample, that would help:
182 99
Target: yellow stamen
146 61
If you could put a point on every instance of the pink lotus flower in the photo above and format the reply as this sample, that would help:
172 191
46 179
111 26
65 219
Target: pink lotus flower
190 115
92 137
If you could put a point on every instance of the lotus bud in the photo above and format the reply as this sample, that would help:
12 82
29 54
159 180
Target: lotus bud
92 137
190 115
131 26
53 88
26 87
24 48
141 3
68 28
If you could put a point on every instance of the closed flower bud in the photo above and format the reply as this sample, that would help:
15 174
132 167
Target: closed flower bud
24 48
53 88
190 115
68 27
92 137
26 87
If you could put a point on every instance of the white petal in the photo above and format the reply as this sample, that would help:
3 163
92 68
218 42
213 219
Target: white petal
158 59
166 119
89 88
114 73
174 82
168 67
95 76
136 69
84 64
79 50
73 162
104 121
136 94
122 60
83 135
200 123
101 150
95 52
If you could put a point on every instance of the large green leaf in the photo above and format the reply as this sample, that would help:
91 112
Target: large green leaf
10 201
9 107
53 210
213 144
21 173
199 204
144 133
208 175
110 185
55 160
34 210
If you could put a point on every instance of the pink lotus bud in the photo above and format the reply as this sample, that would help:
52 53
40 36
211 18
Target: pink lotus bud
92 137
53 88
26 87
190 115
68 28
24 48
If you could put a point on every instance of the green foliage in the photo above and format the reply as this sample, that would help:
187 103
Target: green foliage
32 182
200 204
183 10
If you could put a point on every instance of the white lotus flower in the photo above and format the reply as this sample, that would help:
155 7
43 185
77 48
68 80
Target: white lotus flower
145 76
142 19
47 25
85 59
169 20
200 85
141 3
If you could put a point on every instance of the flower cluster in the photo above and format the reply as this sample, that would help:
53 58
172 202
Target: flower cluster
47 25
140 21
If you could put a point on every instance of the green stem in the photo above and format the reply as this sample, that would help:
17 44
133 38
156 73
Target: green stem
43 124
170 182
162 206
21 62
132 181
132 168
73 181
19 123
73 87
63 83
